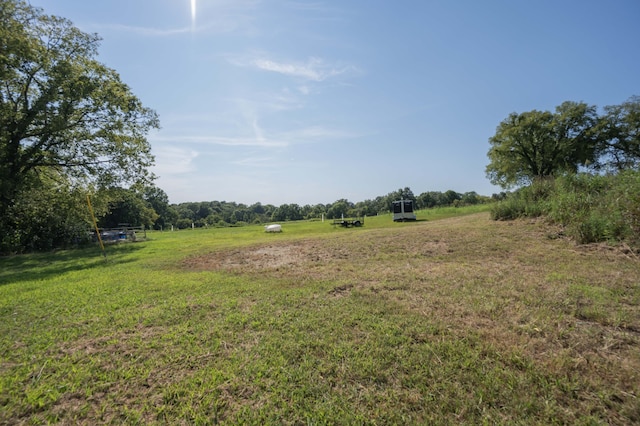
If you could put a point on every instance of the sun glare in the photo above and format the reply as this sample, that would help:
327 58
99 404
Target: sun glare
193 13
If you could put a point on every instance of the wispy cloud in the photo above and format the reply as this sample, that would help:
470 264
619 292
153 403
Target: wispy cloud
144 31
174 160
315 69
305 90
257 162
267 101
315 134
257 141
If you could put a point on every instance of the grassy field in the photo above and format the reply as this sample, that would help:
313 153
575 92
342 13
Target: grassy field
459 320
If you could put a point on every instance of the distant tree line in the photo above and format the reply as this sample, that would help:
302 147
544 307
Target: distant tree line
224 213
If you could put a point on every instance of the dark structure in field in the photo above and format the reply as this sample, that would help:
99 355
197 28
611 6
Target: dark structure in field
403 211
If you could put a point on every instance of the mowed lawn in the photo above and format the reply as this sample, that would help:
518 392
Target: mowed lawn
454 320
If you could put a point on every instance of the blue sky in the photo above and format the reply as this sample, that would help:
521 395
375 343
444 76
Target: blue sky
306 102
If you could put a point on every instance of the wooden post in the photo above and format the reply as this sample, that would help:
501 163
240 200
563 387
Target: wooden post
95 224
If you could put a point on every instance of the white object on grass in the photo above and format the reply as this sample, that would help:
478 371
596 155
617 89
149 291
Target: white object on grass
273 228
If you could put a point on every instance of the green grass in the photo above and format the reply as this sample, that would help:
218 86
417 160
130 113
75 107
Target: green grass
460 320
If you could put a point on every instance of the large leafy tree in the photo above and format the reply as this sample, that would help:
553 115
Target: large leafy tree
539 144
619 128
63 111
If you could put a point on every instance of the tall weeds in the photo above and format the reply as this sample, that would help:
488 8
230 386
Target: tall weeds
529 201
591 208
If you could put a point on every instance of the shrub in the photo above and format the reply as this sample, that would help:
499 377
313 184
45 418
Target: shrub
529 201
573 198
509 209
626 198
44 219
592 208
589 230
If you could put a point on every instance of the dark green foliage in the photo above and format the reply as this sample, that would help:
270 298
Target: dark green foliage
127 206
400 194
535 148
287 212
536 144
589 208
339 208
627 201
61 109
159 201
512 208
45 218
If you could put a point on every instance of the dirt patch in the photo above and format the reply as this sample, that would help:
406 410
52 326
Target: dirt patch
251 258
318 257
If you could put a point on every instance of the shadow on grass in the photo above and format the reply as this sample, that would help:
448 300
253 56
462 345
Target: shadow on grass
41 266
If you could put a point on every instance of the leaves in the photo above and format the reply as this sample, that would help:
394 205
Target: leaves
537 144
62 112
63 109
620 127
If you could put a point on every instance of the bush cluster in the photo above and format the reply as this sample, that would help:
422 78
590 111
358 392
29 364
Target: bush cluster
591 208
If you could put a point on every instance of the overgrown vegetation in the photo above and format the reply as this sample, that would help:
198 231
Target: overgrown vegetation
456 321
590 208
